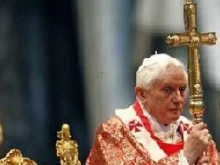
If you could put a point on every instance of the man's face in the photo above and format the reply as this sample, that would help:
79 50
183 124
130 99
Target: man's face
165 99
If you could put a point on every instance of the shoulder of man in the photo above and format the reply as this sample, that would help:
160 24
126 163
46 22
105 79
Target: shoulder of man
126 114
115 123
110 125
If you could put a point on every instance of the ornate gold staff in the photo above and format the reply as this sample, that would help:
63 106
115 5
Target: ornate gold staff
192 39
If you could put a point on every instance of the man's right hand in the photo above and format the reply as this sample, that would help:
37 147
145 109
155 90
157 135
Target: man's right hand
196 143
204 160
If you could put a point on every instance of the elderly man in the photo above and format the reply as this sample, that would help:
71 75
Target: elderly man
152 130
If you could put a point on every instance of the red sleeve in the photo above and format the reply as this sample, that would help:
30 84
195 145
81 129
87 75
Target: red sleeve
213 154
114 145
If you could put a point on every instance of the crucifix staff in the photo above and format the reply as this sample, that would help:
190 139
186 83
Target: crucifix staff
193 39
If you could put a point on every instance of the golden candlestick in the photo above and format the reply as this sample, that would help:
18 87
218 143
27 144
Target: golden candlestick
192 39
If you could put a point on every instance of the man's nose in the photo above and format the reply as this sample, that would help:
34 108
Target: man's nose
178 97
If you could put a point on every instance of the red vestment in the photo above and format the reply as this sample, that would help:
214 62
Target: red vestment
116 143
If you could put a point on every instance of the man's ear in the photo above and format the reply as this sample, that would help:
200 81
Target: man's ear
140 93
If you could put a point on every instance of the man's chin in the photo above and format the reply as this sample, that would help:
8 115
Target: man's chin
174 118
171 120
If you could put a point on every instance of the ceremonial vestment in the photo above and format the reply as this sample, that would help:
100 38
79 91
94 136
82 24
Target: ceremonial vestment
133 136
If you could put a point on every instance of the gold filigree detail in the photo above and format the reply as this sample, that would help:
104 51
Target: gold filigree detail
14 157
67 149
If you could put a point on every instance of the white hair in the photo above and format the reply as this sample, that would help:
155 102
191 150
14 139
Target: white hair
154 68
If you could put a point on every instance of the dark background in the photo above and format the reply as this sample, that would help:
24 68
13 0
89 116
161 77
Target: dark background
41 86
42 77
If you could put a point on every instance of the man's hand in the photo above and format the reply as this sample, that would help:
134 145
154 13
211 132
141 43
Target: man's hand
204 160
196 143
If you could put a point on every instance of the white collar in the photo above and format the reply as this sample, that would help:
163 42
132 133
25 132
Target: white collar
161 129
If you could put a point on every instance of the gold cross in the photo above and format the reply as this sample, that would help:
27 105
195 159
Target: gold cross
192 39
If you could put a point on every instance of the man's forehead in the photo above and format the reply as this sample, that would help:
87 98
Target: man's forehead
167 82
171 81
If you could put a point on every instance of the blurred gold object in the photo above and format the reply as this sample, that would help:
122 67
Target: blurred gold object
1 135
193 39
67 149
14 157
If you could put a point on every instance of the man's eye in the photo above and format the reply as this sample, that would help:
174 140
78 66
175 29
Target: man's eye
168 89
182 89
